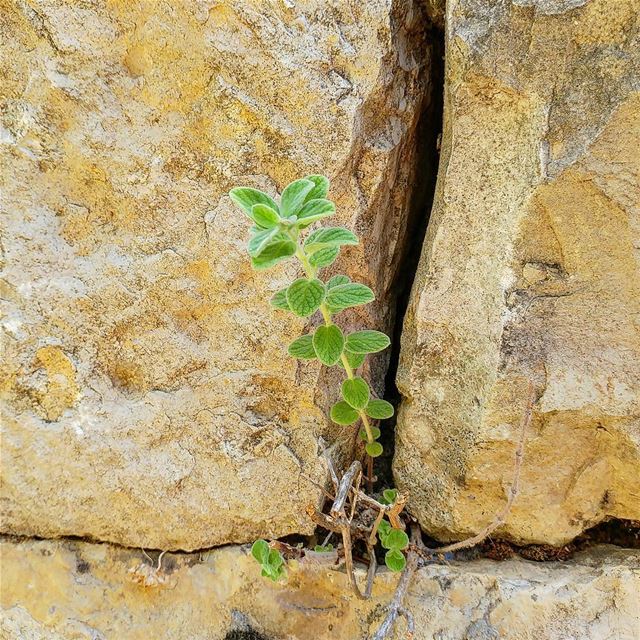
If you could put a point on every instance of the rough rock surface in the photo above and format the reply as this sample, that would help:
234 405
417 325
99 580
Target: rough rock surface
148 397
530 272
79 591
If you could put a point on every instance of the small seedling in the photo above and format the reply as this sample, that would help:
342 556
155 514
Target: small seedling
270 560
395 541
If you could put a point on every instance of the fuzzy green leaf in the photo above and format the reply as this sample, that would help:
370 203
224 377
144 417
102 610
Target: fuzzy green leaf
375 432
354 359
367 341
260 551
302 348
314 210
336 280
323 548
276 251
324 257
293 196
320 189
395 560
279 300
374 449
328 343
305 296
389 496
383 529
329 237
264 216
275 558
246 198
379 409
348 295
260 241
342 413
395 539
356 392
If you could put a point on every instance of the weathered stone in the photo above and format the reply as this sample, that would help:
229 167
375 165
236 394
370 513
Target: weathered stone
149 397
529 273
75 590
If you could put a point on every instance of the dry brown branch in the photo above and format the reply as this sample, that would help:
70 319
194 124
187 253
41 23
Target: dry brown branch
332 470
371 572
344 488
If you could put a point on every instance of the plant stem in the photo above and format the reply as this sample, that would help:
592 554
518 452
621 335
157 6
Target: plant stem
310 272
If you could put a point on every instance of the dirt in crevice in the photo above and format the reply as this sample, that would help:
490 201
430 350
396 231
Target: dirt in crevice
428 134
617 532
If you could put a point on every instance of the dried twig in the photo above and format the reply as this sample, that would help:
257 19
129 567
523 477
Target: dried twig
344 488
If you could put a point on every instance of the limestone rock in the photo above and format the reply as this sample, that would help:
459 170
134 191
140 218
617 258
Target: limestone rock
148 397
79 591
530 272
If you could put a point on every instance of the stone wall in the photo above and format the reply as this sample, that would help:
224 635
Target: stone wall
529 274
149 399
98 592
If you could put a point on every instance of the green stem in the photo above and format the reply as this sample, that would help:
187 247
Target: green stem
310 271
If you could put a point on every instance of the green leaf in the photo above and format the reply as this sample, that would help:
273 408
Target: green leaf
260 551
379 409
328 343
395 539
320 189
246 197
274 252
324 257
395 560
302 348
314 210
329 237
389 496
354 359
356 392
264 216
293 196
383 529
342 413
336 280
260 241
348 295
374 449
375 432
367 341
323 548
279 300
275 558
305 296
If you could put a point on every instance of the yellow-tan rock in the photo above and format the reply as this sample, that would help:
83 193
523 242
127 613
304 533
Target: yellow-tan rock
148 397
530 273
75 591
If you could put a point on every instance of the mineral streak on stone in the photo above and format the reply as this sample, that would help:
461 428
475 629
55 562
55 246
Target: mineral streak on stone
530 272
62 590
148 397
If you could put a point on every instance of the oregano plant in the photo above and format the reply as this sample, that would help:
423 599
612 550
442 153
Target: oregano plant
277 235
281 231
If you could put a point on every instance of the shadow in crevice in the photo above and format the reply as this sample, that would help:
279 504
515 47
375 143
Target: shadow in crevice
424 185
